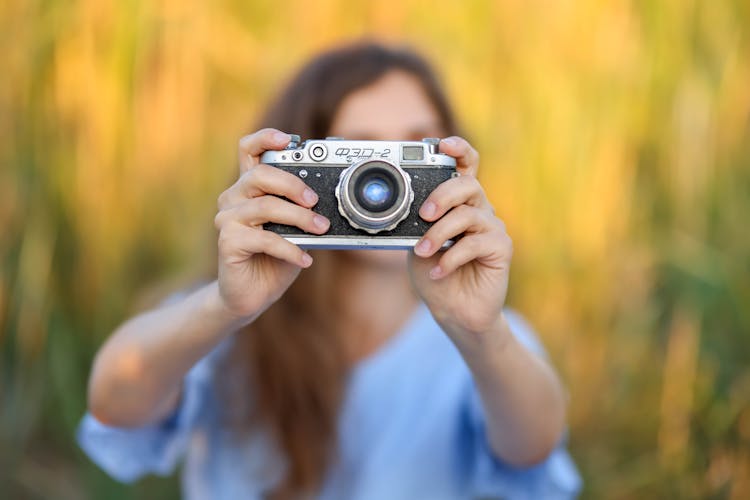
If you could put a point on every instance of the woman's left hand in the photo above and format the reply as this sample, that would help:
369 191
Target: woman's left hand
464 286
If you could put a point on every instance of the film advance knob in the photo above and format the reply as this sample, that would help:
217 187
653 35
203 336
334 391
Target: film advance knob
433 143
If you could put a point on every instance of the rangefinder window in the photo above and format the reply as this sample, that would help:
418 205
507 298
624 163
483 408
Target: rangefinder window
413 153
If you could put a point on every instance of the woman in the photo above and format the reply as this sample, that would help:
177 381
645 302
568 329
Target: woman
339 374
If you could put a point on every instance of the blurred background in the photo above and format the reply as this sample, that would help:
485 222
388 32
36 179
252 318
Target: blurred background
615 139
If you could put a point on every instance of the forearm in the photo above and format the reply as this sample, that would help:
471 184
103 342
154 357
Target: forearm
522 396
137 374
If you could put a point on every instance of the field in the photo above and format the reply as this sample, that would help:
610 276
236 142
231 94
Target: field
615 142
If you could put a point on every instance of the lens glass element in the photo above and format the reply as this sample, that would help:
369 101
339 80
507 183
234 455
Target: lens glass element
375 192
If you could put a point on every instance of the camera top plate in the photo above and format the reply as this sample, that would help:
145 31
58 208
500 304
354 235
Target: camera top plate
341 152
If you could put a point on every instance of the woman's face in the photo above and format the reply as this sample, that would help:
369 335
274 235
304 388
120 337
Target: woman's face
394 108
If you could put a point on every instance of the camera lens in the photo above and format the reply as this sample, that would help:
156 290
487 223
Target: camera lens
375 191
374 195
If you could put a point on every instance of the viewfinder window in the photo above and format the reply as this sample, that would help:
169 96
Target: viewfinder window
412 153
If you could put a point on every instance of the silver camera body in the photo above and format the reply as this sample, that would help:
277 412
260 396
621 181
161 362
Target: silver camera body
371 191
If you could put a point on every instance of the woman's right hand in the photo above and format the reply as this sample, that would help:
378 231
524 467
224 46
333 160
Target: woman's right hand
257 266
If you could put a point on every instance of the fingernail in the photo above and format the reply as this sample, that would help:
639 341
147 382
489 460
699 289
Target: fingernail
306 260
436 272
321 222
280 137
450 141
309 196
423 246
428 209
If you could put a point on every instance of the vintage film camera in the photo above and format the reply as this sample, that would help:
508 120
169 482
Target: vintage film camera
371 191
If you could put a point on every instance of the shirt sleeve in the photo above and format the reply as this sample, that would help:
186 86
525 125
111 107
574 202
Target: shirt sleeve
127 454
554 478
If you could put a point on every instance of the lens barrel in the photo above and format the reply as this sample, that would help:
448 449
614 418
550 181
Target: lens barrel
374 195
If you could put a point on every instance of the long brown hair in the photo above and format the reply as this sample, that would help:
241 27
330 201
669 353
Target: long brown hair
293 358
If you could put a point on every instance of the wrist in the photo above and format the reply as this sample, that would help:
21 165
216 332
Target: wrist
487 343
215 307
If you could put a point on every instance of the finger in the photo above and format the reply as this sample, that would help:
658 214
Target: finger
257 211
263 179
460 220
467 158
252 146
491 249
238 242
452 193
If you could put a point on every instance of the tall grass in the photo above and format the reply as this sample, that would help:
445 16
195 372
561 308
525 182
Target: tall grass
616 144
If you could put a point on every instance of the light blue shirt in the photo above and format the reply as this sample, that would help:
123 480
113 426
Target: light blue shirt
411 427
